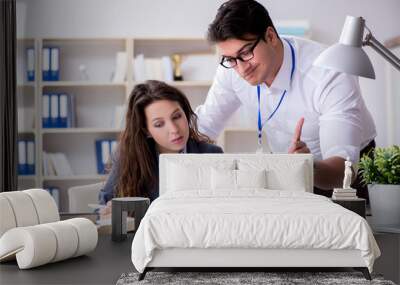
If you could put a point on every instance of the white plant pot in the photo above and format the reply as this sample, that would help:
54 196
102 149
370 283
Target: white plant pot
385 204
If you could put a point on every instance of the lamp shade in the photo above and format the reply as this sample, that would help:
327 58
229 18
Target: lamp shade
347 56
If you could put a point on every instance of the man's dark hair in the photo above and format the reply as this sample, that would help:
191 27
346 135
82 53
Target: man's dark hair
236 19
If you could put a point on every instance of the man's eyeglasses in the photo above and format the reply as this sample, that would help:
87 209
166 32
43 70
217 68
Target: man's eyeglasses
246 55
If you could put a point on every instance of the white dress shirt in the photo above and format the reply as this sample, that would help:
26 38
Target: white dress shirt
337 122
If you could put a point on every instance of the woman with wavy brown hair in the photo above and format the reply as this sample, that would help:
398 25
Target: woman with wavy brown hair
159 120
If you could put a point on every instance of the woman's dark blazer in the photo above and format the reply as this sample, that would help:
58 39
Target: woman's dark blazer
108 192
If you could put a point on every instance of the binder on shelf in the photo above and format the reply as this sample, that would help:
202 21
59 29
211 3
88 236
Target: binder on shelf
54 111
54 64
71 111
113 148
103 154
62 121
22 166
30 157
46 64
30 66
58 111
26 157
46 111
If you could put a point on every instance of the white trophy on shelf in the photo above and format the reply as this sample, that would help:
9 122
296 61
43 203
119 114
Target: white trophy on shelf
346 192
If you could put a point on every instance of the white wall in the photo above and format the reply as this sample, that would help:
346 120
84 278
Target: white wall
176 18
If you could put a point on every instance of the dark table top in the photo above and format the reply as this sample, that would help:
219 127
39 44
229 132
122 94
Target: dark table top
104 265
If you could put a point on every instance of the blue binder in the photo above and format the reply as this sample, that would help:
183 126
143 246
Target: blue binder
54 63
22 166
114 147
46 64
71 111
46 111
30 65
103 152
64 111
30 157
54 111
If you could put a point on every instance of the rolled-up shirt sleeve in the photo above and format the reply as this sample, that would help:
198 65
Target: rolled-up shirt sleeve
341 128
220 104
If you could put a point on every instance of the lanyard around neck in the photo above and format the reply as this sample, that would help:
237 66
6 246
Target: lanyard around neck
260 124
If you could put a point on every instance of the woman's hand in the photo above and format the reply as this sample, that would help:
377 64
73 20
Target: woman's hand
106 211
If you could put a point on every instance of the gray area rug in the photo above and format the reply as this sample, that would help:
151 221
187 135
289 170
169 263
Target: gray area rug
228 278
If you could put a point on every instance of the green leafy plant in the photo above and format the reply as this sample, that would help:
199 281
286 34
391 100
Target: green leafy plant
382 167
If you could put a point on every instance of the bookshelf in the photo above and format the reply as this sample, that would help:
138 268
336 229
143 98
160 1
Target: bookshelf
95 98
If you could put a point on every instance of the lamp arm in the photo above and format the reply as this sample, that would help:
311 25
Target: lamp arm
382 50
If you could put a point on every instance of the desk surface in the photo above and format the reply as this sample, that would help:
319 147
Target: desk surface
104 265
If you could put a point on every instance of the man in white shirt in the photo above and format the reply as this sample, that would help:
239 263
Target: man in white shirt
300 108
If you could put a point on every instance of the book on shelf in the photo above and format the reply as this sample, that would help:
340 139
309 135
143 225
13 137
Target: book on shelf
153 68
26 157
119 74
48 169
118 121
56 164
138 68
193 66
58 110
105 150
167 68
199 67
156 68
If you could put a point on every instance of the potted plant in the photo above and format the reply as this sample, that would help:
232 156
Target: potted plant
381 171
